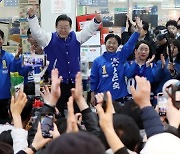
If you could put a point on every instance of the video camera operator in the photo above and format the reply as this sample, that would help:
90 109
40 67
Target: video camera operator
167 69
161 42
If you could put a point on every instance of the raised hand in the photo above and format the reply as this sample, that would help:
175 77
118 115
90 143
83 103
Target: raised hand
18 104
141 94
55 133
105 120
170 67
106 123
77 93
55 93
19 52
130 19
55 86
71 119
162 60
149 61
99 98
16 108
139 24
39 141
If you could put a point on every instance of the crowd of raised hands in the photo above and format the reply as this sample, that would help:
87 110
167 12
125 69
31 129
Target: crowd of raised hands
141 96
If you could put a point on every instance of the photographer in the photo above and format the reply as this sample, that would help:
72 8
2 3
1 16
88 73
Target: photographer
161 42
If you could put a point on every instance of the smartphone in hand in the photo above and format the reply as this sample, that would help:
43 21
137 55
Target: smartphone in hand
162 104
47 124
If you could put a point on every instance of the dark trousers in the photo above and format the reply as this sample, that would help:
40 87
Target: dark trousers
4 114
65 94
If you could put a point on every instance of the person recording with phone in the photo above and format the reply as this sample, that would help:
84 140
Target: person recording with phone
32 63
27 68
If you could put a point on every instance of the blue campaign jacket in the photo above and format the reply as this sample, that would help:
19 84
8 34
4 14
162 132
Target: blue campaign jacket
7 64
67 53
163 75
132 69
107 73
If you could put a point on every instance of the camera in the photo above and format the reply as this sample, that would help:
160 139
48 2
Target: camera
46 124
161 34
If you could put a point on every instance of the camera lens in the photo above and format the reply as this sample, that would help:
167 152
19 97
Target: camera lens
160 37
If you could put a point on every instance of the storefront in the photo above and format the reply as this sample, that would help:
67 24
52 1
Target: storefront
13 14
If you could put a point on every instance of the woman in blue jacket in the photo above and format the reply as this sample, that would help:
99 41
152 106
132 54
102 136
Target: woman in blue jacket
107 73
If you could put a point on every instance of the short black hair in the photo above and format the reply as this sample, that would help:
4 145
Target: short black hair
114 36
171 22
80 142
127 130
6 137
63 17
5 148
144 42
146 28
27 110
145 25
2 34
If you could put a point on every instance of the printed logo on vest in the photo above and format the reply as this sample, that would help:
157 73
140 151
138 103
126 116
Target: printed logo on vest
104 72
4 64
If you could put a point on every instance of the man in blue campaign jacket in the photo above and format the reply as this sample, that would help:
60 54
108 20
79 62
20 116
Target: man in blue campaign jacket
107 73
63 49
7 64
141 66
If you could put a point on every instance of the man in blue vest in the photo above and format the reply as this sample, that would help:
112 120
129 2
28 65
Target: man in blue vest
63 49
